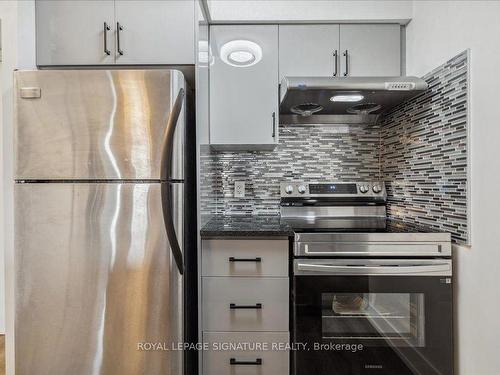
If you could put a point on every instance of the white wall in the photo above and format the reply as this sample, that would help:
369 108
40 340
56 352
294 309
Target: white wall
438 31
18 47
310 10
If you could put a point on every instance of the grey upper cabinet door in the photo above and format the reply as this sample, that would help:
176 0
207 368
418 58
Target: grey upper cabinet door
372 50
244 87
154 32
309 50
72 32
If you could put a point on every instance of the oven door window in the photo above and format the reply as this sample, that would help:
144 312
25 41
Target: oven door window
402 323
397 319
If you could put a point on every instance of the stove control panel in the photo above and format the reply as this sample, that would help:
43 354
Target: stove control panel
298 189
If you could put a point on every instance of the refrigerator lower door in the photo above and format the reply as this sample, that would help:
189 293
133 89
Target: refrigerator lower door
97 290
96 124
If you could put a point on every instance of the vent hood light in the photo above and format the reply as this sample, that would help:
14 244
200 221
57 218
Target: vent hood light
241 53
346 98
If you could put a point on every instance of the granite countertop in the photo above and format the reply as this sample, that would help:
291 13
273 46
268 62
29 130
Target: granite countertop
225 225
235 225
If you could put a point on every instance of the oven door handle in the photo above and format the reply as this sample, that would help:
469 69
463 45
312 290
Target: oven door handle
442 268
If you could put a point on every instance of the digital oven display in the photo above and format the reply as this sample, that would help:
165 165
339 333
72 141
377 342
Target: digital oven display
333 189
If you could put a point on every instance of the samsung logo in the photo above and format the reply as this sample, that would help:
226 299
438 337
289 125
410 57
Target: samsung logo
374 366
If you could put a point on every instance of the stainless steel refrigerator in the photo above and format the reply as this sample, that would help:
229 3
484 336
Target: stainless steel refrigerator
102 212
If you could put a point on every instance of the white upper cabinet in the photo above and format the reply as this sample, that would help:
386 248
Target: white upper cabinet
154 32
73 32
370 50
244 86
309 50
340 50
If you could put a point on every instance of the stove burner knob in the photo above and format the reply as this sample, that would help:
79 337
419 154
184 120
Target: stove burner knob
301 189
376 189
289 189
364 188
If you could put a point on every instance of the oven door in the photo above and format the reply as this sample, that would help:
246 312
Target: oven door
372 316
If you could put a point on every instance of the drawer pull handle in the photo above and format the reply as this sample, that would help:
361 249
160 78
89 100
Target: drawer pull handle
234 362
257 259
234 306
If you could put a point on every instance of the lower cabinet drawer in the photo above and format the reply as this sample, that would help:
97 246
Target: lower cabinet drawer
245 304
245 258
265 353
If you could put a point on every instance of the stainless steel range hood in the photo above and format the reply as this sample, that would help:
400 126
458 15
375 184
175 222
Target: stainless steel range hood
349 100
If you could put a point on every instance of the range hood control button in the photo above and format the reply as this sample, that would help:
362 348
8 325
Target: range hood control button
364 189
301 189
289 189
376 189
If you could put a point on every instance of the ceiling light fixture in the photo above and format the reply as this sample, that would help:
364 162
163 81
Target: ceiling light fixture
241 53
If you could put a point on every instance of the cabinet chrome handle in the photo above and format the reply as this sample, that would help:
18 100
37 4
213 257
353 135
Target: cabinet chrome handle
274 124
257 259
346 54
118 29
106 29
335 63
257 306
235 362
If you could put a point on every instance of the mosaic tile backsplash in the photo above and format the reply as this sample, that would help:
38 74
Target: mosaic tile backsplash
424 153
311 153
419 149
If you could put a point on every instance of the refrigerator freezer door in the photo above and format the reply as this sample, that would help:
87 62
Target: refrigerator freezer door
95 124
95 281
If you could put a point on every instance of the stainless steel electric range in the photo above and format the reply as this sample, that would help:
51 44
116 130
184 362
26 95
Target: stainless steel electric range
370 295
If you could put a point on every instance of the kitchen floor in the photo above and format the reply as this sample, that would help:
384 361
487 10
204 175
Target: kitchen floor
2 354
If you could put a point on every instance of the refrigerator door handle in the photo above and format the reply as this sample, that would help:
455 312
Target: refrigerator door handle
166 203
166 188
167 152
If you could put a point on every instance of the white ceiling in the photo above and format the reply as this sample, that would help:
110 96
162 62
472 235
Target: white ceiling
228 11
